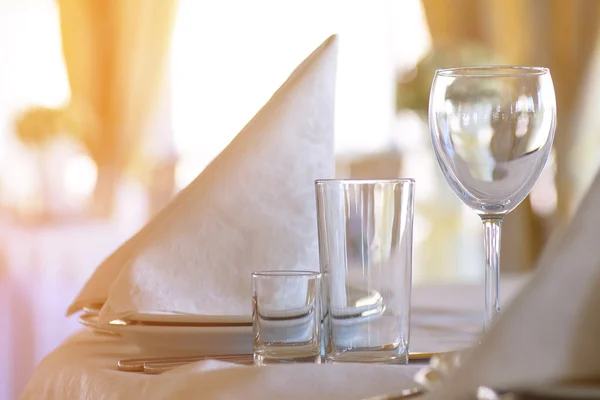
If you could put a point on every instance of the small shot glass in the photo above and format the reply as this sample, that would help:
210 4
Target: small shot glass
286 318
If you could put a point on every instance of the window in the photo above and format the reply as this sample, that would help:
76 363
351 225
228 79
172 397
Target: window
230 56
32 73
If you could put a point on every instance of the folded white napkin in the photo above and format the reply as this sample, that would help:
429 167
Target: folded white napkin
551 331
252 208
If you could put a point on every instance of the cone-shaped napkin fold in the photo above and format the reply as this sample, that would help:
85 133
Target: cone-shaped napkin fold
551 331
252 208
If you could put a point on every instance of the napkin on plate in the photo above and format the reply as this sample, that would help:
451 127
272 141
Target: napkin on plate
551 330
252 208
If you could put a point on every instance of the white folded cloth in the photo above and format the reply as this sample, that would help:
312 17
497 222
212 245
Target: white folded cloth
252 208
84 367
551 331
217 380
445 317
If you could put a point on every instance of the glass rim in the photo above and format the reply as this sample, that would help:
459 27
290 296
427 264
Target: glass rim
492 71
285 273
353 181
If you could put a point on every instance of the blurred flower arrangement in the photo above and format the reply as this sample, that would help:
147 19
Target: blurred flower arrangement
413 86
60 140
38 126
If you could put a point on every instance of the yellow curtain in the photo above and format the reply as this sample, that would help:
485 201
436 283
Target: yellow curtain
559 34
115 52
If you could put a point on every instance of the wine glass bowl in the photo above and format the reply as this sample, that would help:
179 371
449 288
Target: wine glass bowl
492 130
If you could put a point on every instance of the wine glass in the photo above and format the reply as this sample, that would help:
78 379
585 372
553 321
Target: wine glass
492 129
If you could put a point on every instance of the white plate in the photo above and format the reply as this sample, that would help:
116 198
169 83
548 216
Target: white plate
185 341
191 319
91 321
161 317
179 340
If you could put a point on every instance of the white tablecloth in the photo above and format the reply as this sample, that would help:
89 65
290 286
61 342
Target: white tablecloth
444 317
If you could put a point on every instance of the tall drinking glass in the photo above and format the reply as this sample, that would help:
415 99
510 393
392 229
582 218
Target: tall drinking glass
492 130
365 246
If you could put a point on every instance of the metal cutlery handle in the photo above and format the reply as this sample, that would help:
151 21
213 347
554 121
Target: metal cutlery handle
137 364
160 367
405 394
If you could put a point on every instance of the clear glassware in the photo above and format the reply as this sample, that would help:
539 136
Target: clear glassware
492 129
286 317
365 244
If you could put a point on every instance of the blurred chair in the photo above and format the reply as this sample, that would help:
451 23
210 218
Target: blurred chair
382 165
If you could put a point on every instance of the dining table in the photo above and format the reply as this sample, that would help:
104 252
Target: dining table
444 317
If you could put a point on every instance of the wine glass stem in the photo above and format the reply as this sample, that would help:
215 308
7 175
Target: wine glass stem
492 225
